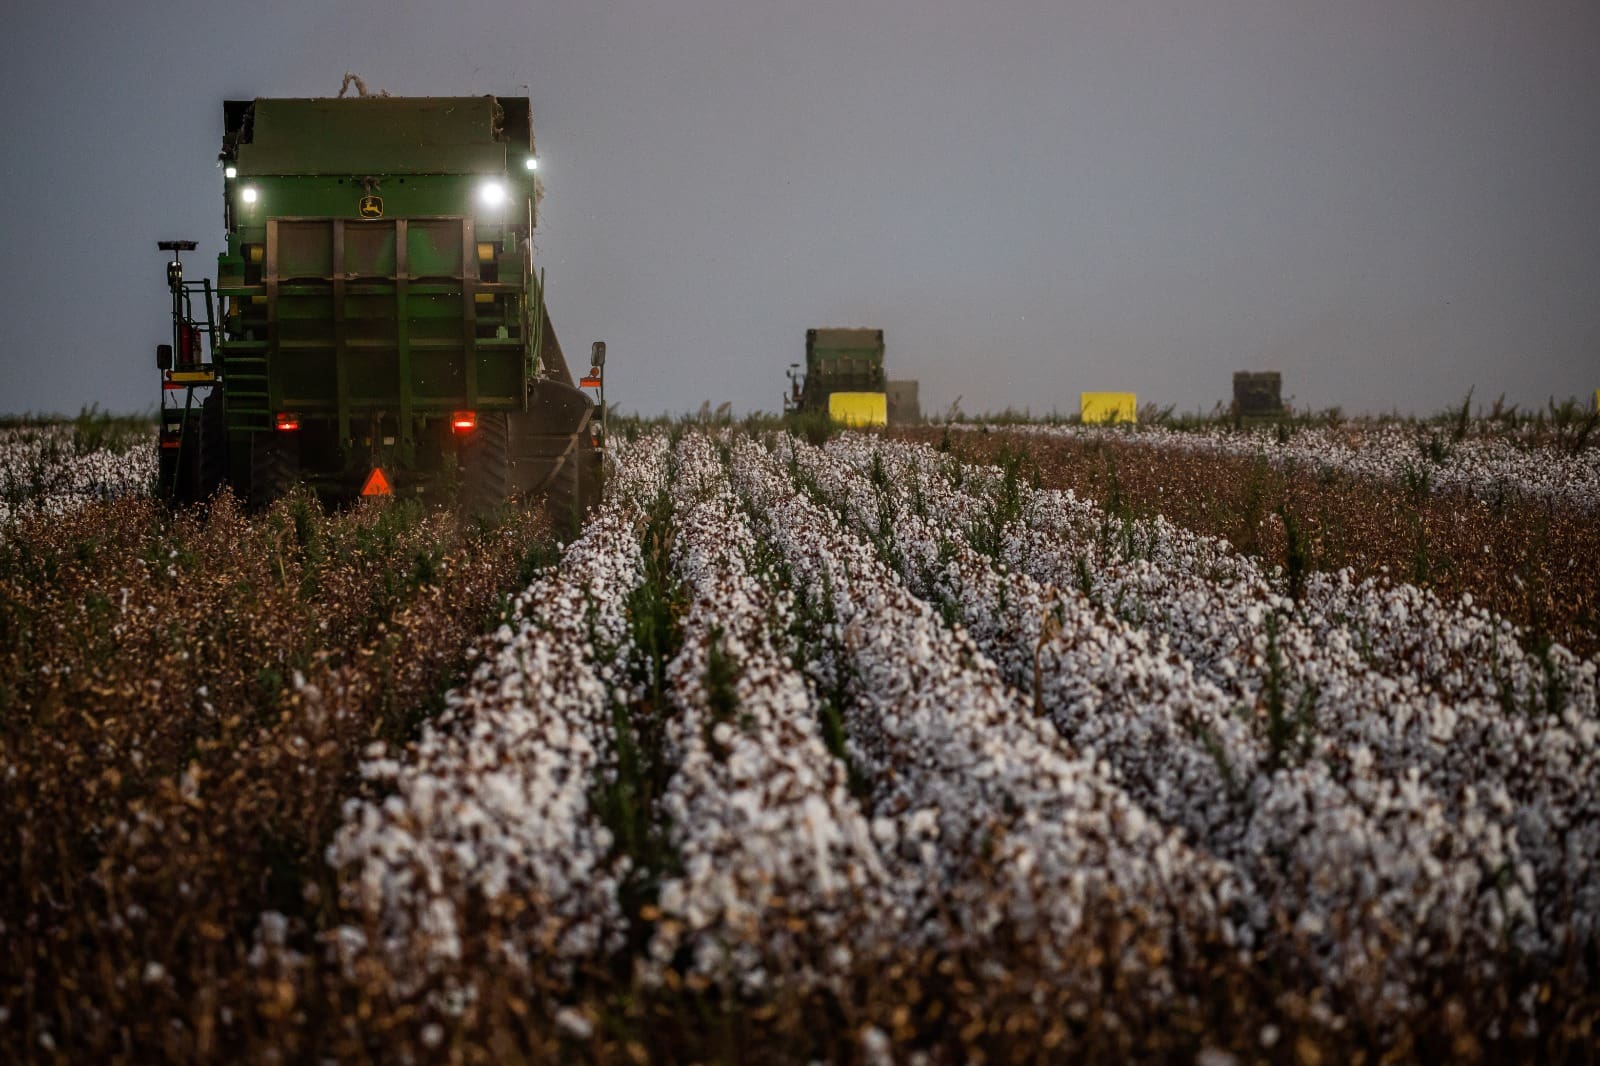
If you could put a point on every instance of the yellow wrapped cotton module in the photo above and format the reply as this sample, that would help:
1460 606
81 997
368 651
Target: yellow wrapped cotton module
859 408
1108 407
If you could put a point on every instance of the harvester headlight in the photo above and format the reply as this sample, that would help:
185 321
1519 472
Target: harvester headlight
230 172
532 163
492 193
248 194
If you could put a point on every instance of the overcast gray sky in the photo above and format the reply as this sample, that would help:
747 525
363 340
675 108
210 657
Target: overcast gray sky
1389 201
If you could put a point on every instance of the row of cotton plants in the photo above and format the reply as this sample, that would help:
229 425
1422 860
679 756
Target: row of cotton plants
1383 873
782 887
1465 707
1015 849
1482 466
1376 639
1375 671
42 471
488 829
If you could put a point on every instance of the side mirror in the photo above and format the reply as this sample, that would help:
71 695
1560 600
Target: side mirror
598 353
163 357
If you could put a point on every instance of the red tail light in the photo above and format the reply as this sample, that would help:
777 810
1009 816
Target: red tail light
464 421
286 422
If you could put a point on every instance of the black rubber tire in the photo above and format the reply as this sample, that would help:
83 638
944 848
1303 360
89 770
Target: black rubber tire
561 498
575 490
274 468
485 459
213 436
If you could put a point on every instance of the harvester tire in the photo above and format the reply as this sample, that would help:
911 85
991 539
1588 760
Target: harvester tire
485 459
213 438
574 490
274 468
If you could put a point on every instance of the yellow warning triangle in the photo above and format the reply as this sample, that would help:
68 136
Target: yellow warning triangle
377 484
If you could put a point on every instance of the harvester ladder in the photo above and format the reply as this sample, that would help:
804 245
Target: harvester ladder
195 376
244 376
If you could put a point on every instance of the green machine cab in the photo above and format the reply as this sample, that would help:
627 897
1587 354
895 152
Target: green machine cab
377 325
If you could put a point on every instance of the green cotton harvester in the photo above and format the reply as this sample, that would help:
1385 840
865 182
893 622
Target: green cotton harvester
841 365
377 326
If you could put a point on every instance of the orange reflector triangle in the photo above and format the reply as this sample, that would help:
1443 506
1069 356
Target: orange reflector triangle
377 484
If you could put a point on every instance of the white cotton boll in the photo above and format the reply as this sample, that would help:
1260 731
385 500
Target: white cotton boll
573 1023
876 1048
273 929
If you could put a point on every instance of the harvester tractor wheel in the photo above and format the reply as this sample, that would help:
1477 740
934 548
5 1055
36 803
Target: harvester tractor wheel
485 459
274 468
574 490
213 439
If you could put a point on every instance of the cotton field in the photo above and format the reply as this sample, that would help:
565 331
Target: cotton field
1485 463
849 750
50 468
915 710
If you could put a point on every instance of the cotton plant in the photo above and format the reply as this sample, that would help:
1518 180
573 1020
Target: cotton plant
1007 834
1498 732
782 888
490 813
42 472
1348 860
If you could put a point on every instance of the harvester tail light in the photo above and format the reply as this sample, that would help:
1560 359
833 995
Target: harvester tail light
464 421
286 422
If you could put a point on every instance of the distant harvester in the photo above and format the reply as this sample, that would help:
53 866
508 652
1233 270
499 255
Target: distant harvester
844 376
1094 407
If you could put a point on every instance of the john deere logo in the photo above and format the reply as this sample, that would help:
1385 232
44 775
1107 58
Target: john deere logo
371 206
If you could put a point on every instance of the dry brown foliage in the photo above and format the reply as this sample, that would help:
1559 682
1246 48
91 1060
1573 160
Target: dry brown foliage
165 779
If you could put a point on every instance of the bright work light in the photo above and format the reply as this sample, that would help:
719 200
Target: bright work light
492 193
249 194
230 172
532 163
